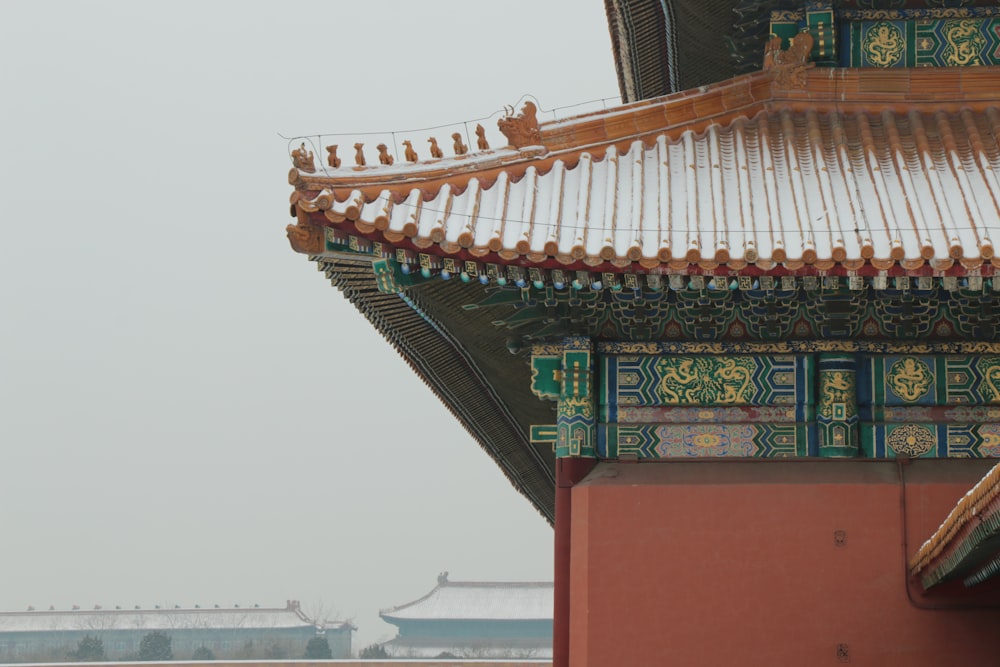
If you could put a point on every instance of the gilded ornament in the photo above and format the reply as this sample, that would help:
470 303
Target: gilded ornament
989 367
964 42
576 406
911 440
910 378
883 44
838 401
705 380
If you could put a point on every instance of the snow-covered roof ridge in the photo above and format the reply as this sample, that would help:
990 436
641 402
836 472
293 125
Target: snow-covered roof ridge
736 175
158 618
478 600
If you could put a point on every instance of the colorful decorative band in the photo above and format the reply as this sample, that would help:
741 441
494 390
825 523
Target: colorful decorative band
648 414
663 441
961 414
917 440
897 380
695 380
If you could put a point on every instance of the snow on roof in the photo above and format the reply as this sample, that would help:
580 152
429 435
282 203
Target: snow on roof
802 182
971 523
478 600
157 619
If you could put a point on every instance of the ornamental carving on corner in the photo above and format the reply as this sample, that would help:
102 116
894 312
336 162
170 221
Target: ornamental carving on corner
789 65
306 238
522 130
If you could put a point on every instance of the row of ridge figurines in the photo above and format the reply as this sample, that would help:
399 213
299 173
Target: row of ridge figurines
520 130
302 158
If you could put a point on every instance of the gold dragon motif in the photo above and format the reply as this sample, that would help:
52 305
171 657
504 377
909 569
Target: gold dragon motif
910 378
964 42
884 44
705 381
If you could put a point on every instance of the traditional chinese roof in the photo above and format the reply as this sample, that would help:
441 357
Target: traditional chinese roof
779 208
967 544
478 601
853 171
53 620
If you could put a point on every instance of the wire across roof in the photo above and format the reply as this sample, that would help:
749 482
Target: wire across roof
787 185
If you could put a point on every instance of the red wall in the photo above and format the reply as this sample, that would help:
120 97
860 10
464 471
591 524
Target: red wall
736 563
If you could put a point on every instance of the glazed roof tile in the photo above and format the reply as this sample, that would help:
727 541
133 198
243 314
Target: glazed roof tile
740 177
967 542
474 600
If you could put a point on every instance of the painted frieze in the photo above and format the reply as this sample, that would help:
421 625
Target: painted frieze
887 38
927 440
701 380
900 380
837 409
670 441
576 413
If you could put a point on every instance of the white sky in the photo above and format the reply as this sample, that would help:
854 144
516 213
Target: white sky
189 413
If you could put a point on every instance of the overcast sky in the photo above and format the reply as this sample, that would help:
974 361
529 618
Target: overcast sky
189 412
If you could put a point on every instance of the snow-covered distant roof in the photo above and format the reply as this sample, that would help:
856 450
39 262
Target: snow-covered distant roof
157 619
478 600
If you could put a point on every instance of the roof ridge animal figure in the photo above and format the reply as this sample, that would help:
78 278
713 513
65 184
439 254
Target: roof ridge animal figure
481 138
435 150
409 153
303 159
383 155
332 158
359 154
460 148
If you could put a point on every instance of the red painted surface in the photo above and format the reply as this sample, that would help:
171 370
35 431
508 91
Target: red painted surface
568 472
768 563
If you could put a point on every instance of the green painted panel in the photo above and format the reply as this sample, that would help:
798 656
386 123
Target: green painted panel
916 440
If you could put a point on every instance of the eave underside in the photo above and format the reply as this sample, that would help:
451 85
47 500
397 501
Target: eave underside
498 412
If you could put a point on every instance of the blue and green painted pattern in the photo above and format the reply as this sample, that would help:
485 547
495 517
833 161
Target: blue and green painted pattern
701 380
893 380
576 414
884 38
923 440
957 42
666 441
836 403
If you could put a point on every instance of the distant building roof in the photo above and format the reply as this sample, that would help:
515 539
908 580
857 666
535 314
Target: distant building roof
95 620
478 600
